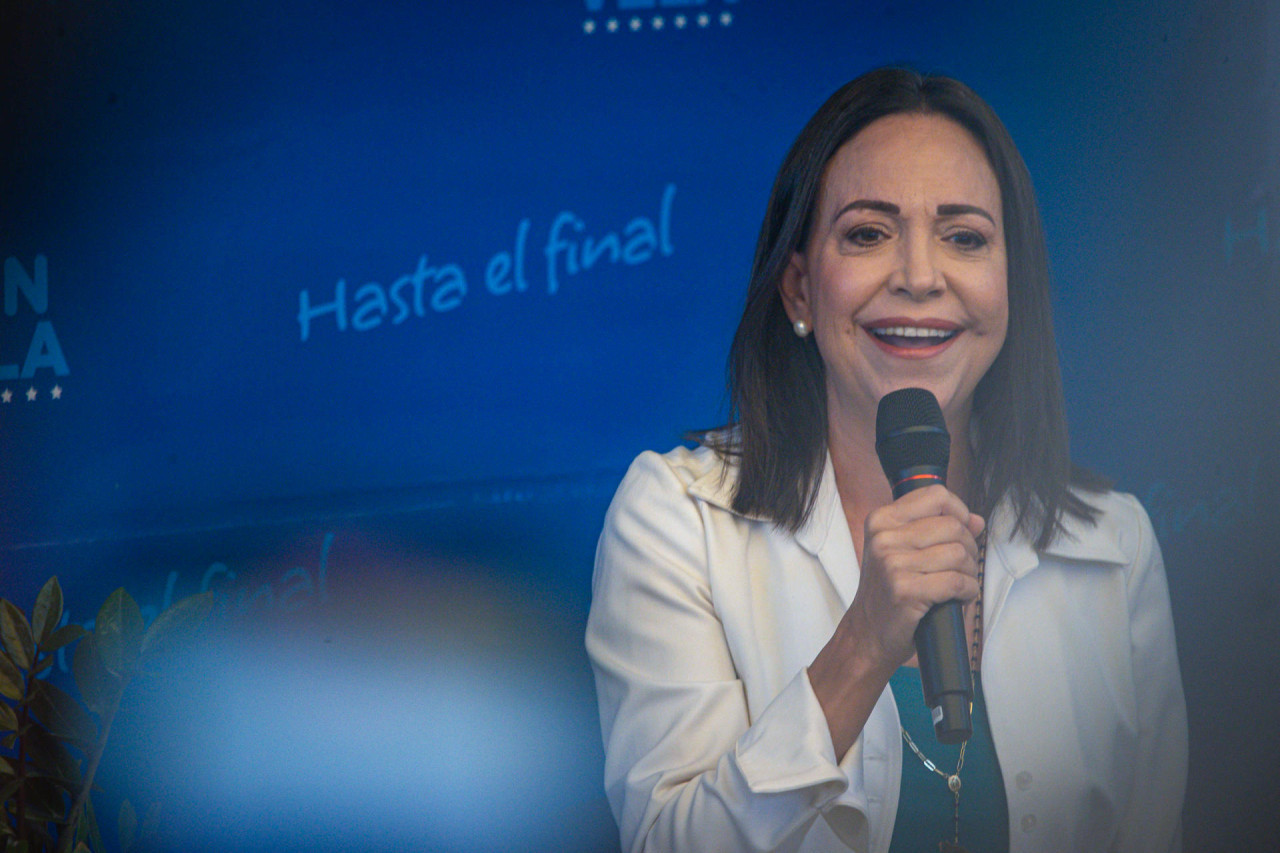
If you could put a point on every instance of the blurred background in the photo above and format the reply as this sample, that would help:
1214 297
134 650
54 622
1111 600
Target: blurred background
355 314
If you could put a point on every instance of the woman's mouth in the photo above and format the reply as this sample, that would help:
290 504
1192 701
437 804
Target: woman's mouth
918 340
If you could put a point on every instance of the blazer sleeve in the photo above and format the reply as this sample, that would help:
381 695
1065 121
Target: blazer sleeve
1152 821
686 768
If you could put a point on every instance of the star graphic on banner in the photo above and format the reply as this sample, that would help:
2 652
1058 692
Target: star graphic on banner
681 20
588 26
726 19
31 395
658 23
7 396
57 392
635 24
612 25
704 19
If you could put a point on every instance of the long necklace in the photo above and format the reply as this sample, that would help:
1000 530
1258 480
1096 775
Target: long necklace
975 654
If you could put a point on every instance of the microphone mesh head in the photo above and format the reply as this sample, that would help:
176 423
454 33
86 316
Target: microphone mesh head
911 432
907 407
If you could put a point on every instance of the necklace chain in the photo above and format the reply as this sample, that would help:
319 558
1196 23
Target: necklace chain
975 654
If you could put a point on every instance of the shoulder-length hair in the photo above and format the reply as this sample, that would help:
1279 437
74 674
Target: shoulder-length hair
778 417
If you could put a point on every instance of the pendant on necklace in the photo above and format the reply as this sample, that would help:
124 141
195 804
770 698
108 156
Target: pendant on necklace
948 847
953 783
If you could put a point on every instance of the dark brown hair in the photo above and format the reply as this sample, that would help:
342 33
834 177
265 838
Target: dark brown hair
778 419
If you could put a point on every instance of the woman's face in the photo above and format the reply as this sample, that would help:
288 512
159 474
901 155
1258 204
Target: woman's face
903 280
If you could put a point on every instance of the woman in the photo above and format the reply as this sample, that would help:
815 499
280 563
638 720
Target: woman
755 599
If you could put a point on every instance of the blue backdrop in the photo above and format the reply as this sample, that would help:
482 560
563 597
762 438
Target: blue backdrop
356 313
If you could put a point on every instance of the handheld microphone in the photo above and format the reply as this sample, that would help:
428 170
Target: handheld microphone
914 448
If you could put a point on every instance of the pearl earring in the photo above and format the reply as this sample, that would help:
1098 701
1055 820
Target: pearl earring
801 327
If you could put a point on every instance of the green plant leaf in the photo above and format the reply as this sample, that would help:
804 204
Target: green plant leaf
65 635
10 789
39 814
50 758
10 679
15 631
128 826
82 825
46 663
47 613
8 718
95 837
97 687
46 801
72 788
118 630
178 622
62 714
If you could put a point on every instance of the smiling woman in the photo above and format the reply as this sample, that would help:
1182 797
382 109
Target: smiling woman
903 278
756 600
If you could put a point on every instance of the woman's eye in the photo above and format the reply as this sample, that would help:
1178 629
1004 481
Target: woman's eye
967 239
865 235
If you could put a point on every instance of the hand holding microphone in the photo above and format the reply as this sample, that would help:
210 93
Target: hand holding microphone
914 449
918 552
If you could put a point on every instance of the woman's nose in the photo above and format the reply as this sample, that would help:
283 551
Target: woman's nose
918 275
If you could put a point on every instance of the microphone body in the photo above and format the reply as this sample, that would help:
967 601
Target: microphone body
914 449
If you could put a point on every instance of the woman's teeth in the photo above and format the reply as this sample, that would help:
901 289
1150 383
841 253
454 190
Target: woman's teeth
912 336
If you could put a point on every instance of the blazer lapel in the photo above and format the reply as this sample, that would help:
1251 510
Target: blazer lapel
826 535
1011 556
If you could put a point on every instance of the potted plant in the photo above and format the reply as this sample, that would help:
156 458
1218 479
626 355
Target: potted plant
52 741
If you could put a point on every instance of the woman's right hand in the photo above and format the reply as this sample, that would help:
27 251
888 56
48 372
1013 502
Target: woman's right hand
918 551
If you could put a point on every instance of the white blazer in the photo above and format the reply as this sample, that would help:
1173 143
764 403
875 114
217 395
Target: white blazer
703 622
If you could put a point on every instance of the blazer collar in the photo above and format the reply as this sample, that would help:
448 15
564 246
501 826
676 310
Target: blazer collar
825 533
715 485
716 482
1012 556
1079 542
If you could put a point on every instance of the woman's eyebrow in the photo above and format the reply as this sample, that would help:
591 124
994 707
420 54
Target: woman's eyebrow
868 204
961 209
894 210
